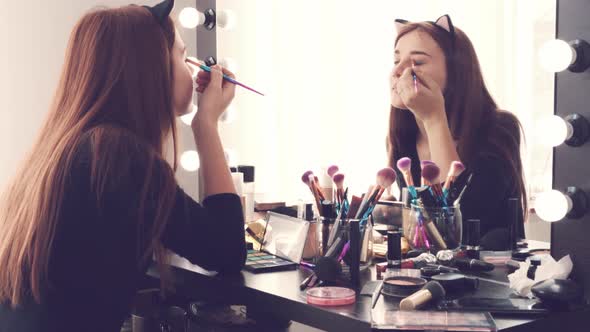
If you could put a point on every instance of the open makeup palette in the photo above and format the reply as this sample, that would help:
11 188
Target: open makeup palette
282 245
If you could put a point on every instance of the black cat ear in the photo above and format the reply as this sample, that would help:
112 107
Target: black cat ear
445 23
162 10
399 24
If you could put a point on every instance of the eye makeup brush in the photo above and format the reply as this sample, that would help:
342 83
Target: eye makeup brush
405 165
193 61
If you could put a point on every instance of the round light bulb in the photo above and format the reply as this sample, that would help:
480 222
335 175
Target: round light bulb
556 55
229 115
552 205
187 119
553 131
190 160
226 19
190 17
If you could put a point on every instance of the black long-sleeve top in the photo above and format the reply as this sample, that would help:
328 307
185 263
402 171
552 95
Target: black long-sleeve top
94 265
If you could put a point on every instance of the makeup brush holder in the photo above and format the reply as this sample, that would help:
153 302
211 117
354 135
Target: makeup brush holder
433 228
351 249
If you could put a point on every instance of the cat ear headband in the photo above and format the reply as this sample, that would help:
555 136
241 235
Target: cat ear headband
444 22
161 10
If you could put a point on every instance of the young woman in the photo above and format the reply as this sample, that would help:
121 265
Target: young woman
450 115
95 199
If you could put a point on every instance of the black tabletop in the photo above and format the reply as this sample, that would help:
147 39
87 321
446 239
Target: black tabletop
277 294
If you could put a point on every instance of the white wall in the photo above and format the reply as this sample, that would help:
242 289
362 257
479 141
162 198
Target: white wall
325 64
319 107
34 35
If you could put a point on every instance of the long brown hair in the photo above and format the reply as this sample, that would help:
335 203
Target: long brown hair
474 118
116 83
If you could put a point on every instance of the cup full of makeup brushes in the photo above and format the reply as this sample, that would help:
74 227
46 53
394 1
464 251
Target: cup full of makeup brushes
433 220
434 228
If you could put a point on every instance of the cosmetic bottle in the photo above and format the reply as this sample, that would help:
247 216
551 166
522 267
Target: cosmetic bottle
249 190
472 238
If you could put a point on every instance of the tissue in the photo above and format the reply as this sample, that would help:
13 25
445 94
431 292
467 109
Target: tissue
549 269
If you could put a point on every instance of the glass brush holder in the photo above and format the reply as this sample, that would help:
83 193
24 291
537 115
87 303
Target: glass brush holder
433 228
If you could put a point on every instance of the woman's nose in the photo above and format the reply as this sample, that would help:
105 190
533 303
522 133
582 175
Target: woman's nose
400 67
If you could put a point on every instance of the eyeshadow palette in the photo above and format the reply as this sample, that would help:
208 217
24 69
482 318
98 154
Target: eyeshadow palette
260 261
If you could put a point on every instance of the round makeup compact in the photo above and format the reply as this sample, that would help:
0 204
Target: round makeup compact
330 296
402 286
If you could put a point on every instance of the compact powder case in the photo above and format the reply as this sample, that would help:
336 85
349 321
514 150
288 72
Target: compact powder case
402 286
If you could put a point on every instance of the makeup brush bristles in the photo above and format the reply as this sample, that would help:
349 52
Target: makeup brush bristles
430 174
455 170
338 179
305 177
332 170
405 167
385 178
310 180
423 163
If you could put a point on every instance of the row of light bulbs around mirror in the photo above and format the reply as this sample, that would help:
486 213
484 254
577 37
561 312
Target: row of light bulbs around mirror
190 18
573 130
555 56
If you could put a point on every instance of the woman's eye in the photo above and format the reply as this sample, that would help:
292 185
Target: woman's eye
418 63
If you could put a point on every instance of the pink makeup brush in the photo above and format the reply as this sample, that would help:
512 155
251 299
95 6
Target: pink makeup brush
385 178
430 174
426 162
455 170
405 167
338 179
332 170
422 164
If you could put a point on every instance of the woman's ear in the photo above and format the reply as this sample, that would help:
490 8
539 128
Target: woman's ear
444 22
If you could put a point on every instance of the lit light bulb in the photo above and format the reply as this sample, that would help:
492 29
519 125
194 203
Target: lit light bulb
229 116
556 55
231 157
190 17
190 160
553 131
552 205
226 19
188 118
230 64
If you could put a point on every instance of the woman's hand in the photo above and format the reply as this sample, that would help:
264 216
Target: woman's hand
425 100
216 95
